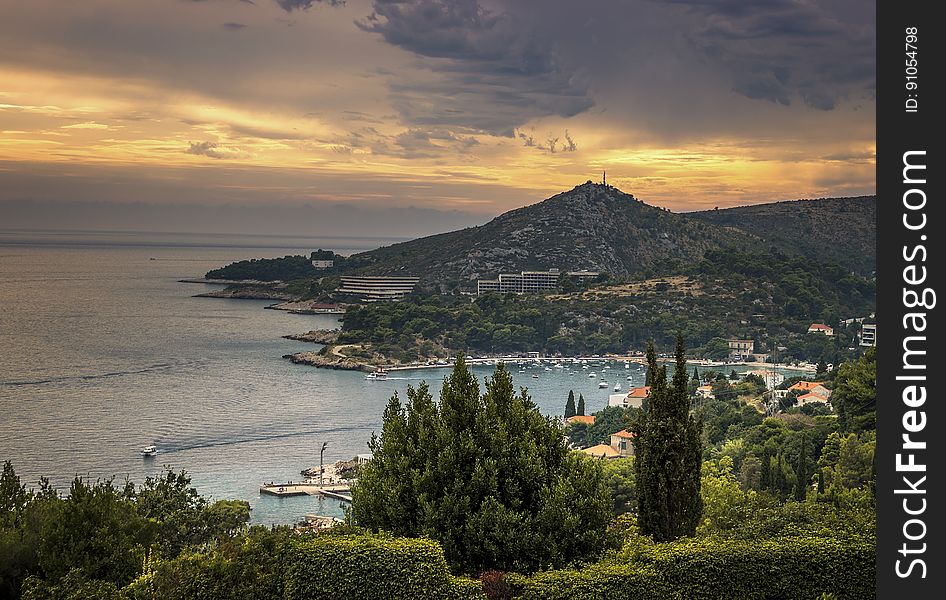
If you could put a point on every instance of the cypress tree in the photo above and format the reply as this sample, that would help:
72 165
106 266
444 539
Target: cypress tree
765 470
801 471
570 404
668 451
696 376
820 482
581 405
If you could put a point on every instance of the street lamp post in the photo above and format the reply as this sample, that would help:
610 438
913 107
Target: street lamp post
321 468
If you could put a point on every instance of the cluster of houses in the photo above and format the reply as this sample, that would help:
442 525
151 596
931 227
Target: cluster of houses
621 444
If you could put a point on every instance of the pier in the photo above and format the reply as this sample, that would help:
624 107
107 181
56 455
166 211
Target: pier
306 488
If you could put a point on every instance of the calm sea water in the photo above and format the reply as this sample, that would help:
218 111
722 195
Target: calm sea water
102 352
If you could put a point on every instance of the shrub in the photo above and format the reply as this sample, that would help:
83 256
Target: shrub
372 566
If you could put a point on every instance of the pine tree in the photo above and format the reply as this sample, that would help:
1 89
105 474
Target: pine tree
733 376
696 376
668 451
570 404
801 471
822 367
581 405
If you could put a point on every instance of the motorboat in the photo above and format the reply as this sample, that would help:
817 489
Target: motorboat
149 451
602 384
617 387
380 374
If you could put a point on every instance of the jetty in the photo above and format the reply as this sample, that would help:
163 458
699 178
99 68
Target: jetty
307 488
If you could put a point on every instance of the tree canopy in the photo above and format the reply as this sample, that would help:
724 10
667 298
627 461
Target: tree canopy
487 476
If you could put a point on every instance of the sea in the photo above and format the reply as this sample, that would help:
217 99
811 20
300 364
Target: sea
103 350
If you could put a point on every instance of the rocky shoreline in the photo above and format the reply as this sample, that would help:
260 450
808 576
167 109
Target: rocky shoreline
329 361
248 294
316 336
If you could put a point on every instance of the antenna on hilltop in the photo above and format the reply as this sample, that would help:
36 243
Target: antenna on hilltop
604 178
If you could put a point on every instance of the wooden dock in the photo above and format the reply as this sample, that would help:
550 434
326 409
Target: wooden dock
305 488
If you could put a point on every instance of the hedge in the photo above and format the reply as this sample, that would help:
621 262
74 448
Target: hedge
784 569
372 566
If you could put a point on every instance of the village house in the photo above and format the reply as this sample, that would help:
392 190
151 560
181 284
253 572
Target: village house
821 328
622 442
811 387
634 398
586 419
810 398
705 391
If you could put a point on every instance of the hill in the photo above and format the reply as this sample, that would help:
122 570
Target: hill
841 230
594 227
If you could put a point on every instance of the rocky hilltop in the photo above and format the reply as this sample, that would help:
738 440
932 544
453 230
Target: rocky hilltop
593 226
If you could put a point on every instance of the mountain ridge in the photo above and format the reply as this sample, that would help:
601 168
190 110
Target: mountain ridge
592 226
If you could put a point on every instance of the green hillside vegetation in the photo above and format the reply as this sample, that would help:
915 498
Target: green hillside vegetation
787 512
841 230
726 294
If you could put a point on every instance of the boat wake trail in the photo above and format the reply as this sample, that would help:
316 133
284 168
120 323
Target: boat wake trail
93 376
169 447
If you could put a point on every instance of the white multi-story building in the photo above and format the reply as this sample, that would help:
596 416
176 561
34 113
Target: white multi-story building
869 334
524 282
739 349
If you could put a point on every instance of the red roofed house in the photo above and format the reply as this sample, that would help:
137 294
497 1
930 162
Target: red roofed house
586 419
811 387
622 442
811 397
634 398
820 328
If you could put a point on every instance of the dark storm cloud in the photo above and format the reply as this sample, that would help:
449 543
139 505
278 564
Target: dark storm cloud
496 67
782 50
290 5
484 57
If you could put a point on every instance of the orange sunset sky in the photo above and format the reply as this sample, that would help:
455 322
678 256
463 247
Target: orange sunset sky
455 110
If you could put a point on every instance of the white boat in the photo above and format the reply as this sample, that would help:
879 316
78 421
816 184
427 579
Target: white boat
628 377
535 376
379 374
149 451
591 375
602 384
617 387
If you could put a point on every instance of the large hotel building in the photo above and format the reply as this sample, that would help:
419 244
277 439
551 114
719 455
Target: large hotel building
377 289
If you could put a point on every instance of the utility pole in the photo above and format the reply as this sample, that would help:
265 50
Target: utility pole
321 468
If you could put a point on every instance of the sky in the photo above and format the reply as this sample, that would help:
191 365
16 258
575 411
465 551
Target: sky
406 117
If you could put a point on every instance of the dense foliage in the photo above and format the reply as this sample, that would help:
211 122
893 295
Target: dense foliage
770 299
100 535
286 268
668 451
486 475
